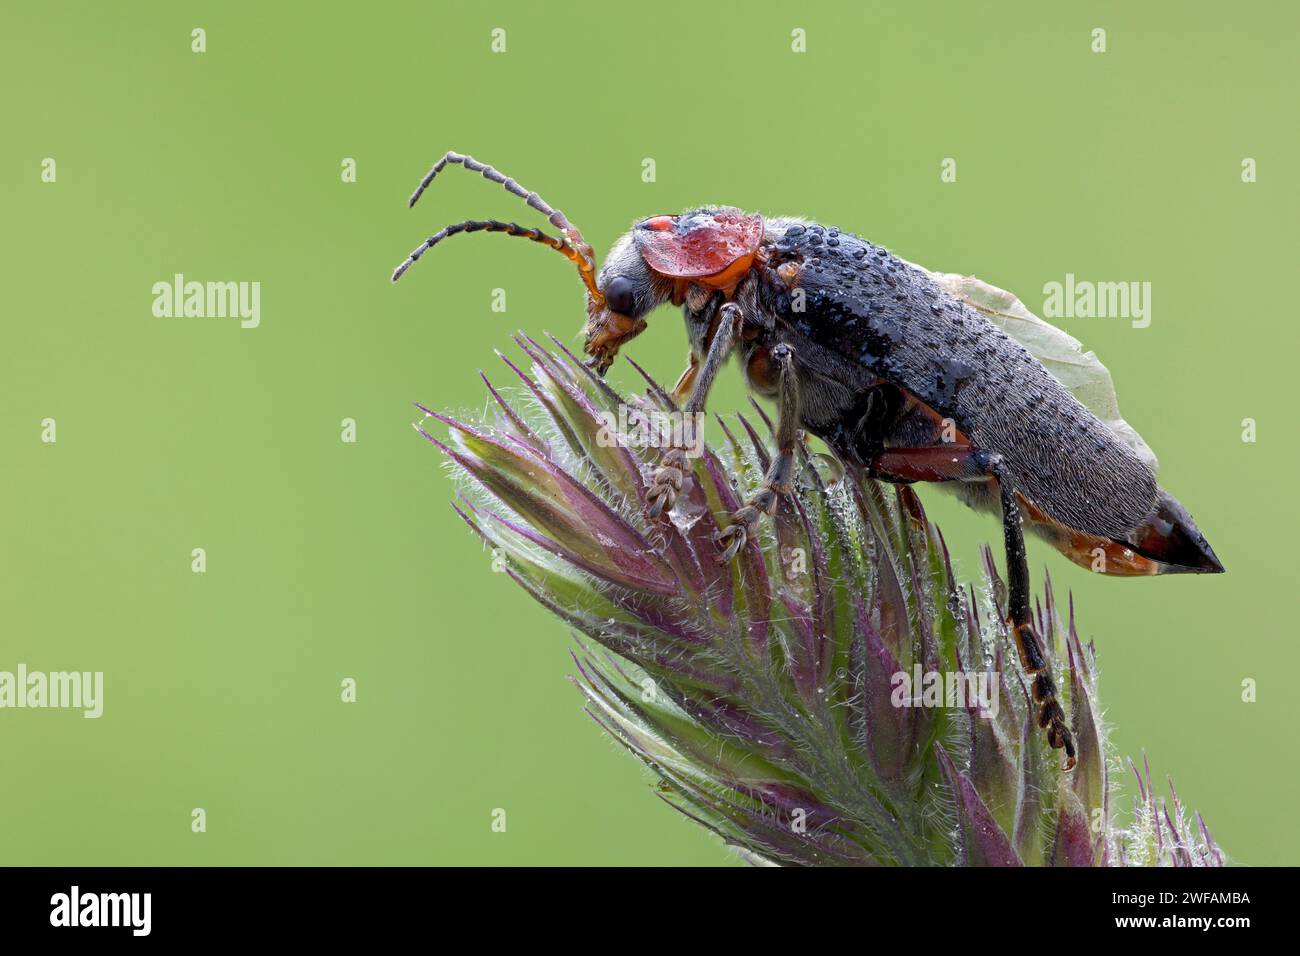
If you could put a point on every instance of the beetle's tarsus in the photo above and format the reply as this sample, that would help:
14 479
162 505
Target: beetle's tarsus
733 538
667 482
1050 716
745 522
661 499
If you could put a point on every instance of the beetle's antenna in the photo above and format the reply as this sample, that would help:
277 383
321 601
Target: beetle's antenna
575 247
487 225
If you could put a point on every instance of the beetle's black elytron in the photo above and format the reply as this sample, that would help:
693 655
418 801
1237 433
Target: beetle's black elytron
895 374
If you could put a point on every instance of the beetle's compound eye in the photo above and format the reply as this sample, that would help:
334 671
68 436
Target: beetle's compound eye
618 295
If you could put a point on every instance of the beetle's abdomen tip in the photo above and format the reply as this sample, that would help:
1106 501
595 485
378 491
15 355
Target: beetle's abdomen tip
1170 537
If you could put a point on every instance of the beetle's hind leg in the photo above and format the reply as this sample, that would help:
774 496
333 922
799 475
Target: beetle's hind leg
949 463
1050 715
779 479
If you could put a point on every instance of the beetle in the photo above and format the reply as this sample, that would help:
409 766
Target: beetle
896 375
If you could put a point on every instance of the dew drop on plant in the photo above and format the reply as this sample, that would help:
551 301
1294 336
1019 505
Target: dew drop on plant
684 514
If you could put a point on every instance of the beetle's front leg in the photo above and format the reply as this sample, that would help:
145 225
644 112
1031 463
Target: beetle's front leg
779 479
668 478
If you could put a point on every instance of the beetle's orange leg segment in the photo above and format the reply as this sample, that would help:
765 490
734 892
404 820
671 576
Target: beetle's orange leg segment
686 381
956 463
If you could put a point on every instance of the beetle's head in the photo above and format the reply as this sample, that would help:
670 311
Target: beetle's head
652 264
656 261
627 290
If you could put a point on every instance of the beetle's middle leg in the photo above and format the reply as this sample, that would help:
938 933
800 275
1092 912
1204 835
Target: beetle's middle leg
670 474
779 479
957 463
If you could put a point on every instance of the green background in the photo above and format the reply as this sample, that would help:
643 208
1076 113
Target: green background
329 560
